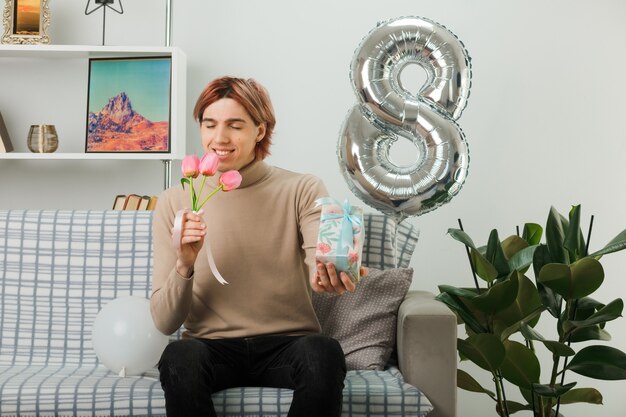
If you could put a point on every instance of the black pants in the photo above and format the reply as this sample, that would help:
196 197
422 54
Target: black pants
313 366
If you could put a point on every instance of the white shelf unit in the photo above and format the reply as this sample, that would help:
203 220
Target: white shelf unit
79 56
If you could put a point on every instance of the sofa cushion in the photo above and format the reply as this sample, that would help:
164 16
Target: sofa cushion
92 391
388 244
364 321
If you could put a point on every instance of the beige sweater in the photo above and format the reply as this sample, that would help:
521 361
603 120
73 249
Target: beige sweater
263 238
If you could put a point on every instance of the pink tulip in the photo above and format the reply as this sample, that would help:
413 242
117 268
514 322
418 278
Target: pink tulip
208 164
230 180
190 166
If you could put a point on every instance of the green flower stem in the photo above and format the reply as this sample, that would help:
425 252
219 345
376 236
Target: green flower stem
192 193
211 194
202 185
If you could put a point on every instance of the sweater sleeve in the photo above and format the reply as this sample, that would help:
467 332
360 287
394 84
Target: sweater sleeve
171 293
309 216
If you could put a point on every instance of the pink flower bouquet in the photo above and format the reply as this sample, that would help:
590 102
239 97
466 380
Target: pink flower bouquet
228 181
207 166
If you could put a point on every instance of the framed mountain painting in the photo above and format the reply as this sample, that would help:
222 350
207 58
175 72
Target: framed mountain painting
128 105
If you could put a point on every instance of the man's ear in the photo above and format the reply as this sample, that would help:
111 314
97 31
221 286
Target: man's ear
262 128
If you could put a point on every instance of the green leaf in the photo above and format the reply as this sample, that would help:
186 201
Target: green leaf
526 303
555 237
462 311
550 299
485 350
552 392
459 292
483 267
578 280
461 236
618 243
609 312
533 317
496 255
512 245
532 233
557 277
527 394
514 407
499 296
522 259
467 382
586 307
582 395
564 224
599 362
588 303
530 333
541 257
520 366
587 276
184 181
574 241
589 333
557 348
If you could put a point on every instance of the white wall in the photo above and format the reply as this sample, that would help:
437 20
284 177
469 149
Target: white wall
544 121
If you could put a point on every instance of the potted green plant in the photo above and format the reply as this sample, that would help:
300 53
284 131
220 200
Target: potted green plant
501 313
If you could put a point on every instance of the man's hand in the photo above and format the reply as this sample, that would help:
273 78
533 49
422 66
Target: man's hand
192 238
326 279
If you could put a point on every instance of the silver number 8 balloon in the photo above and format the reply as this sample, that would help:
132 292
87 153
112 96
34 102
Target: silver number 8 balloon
387 111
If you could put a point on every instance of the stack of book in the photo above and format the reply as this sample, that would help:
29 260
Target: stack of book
135 202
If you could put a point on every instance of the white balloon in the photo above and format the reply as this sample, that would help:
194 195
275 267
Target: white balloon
125 338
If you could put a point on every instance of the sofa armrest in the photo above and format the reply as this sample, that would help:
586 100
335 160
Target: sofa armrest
427 331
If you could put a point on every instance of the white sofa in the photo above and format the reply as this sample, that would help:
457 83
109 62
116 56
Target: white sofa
58 268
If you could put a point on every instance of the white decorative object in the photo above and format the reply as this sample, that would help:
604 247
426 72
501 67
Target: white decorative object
124 336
